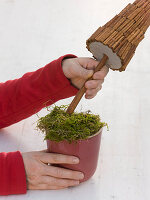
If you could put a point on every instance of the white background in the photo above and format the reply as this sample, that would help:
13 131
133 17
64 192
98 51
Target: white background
35 32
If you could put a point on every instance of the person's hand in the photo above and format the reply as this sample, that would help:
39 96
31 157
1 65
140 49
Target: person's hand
78 70
43 176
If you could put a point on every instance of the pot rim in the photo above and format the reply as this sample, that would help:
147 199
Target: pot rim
100 130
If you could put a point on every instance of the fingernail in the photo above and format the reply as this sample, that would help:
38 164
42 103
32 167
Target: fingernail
76 183
87 97
90 73
75 160
81 176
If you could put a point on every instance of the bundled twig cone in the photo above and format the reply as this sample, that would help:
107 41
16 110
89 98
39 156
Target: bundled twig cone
119 38
114 44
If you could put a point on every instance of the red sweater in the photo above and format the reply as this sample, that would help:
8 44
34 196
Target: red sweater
21 98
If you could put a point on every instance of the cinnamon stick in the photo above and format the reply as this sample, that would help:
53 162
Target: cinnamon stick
81 92
128 26
134 13
124 50
118 45
105 34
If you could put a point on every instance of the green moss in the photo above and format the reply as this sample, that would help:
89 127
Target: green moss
59 126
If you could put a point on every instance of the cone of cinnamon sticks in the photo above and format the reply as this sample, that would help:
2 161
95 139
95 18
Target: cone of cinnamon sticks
119 38
114 44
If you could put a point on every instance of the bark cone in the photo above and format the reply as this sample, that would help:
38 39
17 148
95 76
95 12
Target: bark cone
123 33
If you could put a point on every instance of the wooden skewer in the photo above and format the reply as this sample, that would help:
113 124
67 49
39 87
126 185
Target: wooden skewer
81 92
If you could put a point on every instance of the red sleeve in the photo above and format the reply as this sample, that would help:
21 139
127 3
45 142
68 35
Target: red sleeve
12 174
21 98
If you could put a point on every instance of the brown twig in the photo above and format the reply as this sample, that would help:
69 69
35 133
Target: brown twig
81 92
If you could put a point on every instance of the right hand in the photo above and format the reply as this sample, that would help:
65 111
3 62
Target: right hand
41 176
78 70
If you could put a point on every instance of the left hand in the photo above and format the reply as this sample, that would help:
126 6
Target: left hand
41 176
78 70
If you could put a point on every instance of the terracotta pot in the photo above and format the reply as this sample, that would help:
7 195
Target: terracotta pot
86 150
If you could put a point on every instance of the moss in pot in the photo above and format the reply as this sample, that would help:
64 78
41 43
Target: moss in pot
78 134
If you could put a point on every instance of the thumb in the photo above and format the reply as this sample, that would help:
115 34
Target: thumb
85 73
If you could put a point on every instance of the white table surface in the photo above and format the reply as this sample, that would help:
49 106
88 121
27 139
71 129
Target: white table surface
33 33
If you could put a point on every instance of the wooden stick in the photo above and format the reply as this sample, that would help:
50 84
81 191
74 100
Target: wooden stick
81 92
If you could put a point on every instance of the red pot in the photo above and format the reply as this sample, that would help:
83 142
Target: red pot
86 150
